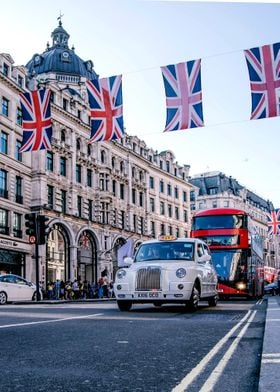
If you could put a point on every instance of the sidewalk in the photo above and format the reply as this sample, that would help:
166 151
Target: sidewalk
270 365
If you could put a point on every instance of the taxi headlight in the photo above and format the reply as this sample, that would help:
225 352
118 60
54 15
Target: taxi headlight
121 274
241 286
181 273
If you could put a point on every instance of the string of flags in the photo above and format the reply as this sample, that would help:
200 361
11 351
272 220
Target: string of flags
184 103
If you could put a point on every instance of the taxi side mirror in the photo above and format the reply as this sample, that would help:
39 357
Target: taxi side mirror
128 261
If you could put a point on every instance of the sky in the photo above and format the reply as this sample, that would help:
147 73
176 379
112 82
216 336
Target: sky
135 38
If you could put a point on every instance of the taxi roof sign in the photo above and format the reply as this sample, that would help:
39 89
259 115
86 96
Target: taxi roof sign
167 238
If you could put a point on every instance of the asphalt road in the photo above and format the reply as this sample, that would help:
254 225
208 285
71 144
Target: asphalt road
95 347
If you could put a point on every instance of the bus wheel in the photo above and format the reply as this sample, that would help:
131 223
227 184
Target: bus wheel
124 306
192 304
213 301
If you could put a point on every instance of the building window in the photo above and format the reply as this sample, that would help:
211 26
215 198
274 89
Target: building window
18 154
162 229
226 203
161 186
63 136
201 205
19 197
79 206
177 213
177 231
175 172
5 106
213 191
184 196
170 230
141 199
63 166
153 231
122 191
49 161
90 210
176 192
142 225
135 223
169 190
152 204
78 173
122 166
104 213
50 190
89 177
169 210
214 204
78 144
3 183
20 81
192 196
6 69
103 156
17 224
185 215
162 210
4 142
63 201
192 207
133 172
168 167
161 164
89 150
114 187
19 116
152 183
4 228
65 104
133 196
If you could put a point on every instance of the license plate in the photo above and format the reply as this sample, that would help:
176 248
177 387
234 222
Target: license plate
151 294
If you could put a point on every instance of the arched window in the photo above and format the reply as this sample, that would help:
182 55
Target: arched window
103 156
78 144
63 135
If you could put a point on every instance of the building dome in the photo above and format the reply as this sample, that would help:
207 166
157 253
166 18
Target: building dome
61 60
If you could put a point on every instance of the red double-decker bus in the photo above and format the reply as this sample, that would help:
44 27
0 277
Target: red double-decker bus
226 232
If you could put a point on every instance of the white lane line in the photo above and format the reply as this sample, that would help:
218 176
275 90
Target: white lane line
189 378
271 360
271 355
50 321
210 383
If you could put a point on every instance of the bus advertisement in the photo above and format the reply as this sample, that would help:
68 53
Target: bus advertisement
226 232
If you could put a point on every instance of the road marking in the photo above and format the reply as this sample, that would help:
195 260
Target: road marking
122 341
189 378
210 383
271 358
50 321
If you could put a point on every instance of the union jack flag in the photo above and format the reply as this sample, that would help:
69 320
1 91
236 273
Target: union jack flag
273 222
105 100
36 120
182 84
264 72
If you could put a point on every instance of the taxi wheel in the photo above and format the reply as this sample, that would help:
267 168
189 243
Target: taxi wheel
124 306
213 301
194 300
3 298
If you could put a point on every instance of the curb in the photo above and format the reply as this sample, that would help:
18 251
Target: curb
269 374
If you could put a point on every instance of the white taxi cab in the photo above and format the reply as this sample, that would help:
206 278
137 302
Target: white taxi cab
167 270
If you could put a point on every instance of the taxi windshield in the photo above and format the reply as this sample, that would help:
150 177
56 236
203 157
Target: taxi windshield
166 250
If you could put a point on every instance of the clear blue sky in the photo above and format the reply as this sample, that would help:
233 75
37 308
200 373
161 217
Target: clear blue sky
134 38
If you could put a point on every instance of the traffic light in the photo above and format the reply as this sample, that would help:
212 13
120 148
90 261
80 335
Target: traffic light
31 227
42 229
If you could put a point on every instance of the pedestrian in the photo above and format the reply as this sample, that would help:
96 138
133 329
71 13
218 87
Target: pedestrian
57 289
76 289
50 290
100 287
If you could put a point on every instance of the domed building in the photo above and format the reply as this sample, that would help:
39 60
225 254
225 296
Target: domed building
59 62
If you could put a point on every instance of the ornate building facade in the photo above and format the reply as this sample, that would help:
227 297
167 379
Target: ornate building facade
95 195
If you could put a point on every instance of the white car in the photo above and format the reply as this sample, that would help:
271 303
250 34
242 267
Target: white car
167 270
16 288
